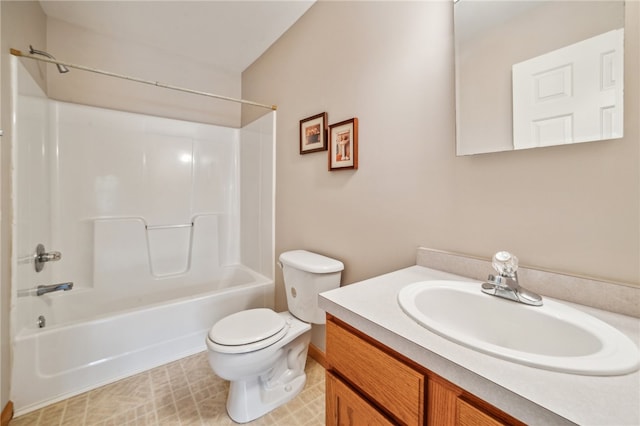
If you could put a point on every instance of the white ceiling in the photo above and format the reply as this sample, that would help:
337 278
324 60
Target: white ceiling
228 34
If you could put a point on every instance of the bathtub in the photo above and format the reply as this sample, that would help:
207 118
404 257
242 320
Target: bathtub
90 341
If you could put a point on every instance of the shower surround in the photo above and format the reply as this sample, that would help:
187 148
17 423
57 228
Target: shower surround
164 226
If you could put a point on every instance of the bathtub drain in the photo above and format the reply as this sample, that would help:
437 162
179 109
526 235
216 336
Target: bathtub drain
42 321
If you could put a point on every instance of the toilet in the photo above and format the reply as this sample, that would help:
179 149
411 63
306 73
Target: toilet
262 352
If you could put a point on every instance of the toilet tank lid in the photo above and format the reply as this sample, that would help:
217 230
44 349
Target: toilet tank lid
311 262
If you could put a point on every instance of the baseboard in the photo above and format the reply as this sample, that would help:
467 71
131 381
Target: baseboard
317 355
7 414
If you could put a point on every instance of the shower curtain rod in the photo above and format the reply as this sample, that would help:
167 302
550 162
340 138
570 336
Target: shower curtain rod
16 52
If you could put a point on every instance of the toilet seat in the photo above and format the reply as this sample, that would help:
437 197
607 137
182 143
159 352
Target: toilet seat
247 331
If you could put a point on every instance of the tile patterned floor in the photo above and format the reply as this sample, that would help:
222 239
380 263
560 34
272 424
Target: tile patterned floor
185 392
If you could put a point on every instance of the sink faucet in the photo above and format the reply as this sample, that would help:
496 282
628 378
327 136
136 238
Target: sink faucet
505 284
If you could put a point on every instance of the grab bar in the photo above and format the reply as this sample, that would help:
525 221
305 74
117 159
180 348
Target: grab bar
186 225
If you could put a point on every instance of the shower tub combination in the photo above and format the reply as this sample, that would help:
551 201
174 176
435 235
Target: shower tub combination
60 361
147 214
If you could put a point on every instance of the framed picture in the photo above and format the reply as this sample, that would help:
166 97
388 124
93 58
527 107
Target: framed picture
343 145
313 133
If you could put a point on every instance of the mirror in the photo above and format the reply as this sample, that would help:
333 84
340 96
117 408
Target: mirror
537 73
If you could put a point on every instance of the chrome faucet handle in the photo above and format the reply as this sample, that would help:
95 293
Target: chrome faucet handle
505 264
41 257
52 256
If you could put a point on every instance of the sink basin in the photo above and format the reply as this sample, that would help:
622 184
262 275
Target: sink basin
553 336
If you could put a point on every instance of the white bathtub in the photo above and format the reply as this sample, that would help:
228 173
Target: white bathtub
88 344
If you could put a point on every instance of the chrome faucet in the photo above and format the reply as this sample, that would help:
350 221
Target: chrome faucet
44 289
505 284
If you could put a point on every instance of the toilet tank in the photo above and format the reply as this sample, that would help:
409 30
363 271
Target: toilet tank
306 275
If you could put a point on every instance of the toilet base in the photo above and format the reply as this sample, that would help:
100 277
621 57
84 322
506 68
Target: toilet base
241 392
256 396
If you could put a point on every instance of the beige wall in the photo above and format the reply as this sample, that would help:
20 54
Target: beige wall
22 23
572 209
77 45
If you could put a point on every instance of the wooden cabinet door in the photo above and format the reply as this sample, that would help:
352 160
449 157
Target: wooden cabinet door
468 415
347 408
379 389
395 387
446 407
441 405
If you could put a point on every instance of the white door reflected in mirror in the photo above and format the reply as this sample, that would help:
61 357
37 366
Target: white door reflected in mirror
492 36
571 95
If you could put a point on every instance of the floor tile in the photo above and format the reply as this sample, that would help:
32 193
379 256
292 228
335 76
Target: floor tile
183 393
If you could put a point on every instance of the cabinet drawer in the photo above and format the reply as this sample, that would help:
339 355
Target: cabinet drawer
387 381
346 407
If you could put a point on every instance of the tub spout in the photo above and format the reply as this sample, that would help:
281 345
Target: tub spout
44 289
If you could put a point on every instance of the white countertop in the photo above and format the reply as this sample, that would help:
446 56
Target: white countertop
534 396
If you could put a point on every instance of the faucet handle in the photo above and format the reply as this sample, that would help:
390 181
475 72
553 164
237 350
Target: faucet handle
505 263
52 256
41 257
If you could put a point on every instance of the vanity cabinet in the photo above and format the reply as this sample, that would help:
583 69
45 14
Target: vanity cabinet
349 408
370 384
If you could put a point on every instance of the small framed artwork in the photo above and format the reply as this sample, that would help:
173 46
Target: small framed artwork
313 133
343 145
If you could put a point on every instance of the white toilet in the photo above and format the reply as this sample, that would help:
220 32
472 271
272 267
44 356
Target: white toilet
263 353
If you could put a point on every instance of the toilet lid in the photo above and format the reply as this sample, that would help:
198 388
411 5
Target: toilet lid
255 328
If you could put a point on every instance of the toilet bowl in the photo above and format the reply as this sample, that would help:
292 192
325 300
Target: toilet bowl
263 353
